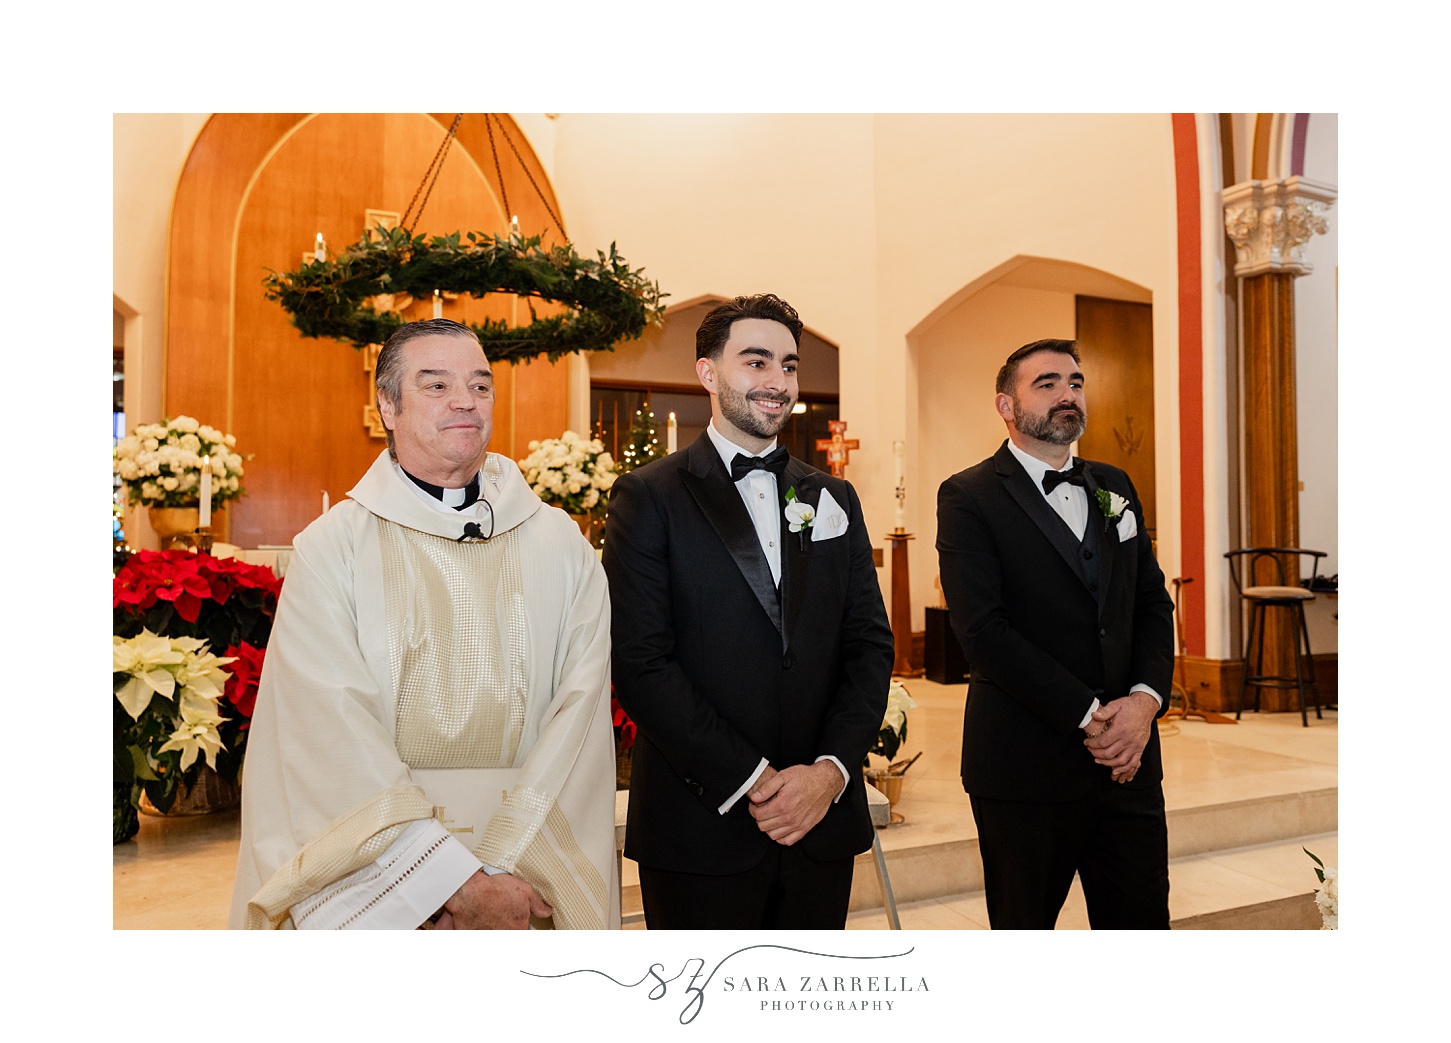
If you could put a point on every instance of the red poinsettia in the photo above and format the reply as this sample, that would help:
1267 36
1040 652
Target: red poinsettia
241 688
624 727
180 594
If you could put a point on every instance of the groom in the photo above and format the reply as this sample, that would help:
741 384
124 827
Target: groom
1055 595
752 649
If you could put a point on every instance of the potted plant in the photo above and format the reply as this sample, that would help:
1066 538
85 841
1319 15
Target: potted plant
889 740
207 604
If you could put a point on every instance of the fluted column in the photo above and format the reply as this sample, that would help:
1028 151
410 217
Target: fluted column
1270 222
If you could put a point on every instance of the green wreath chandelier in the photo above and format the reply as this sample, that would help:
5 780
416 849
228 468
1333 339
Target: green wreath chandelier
353 295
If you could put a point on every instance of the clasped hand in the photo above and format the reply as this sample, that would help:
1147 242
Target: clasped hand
787 804
492 903
1118 732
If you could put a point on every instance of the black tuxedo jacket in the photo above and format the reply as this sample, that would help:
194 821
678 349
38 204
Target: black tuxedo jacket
718 670
1048 624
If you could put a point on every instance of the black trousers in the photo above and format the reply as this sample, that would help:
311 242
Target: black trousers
1116 839
785 890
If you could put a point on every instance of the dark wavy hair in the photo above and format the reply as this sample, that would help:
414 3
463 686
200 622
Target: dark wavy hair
1008 375
715 328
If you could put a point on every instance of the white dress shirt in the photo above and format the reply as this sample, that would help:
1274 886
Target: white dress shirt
1069 502
758 492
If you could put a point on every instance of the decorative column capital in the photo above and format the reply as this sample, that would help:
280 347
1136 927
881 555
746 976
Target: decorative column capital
1271 221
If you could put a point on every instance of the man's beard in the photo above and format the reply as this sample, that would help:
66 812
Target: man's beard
736 408
1063 425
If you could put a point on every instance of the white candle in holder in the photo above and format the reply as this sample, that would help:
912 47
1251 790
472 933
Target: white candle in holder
324 501
437 305
319 250
670 434
204 516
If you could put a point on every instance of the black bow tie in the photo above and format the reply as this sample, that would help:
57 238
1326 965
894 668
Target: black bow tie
774 461
1073 476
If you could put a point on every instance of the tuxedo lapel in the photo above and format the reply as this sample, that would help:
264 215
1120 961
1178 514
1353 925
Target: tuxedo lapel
708 482
795 553
1108 536
1020 487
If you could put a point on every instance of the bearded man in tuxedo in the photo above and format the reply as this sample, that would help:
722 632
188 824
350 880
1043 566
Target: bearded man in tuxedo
1056 598
752 649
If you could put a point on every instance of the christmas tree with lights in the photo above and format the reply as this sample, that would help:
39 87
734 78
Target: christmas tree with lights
641 445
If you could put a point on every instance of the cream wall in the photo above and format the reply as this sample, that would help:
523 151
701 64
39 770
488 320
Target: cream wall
148 151
1317 352
869 224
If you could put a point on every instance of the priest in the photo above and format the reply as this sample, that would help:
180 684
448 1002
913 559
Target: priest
431 744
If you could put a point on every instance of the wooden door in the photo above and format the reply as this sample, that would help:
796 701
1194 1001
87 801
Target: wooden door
1116 341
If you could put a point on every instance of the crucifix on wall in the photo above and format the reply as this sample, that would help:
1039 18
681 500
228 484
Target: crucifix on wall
837 447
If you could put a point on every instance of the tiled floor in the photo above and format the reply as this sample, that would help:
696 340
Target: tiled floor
1241 798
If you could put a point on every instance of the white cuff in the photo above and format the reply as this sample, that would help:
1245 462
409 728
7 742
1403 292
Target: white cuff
1145 688
406 885
738 794
1089 715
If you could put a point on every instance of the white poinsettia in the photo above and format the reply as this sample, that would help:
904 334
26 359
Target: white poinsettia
150 661
196 733
200 674
898 703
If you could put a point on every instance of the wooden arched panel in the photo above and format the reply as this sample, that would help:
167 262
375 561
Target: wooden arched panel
254 193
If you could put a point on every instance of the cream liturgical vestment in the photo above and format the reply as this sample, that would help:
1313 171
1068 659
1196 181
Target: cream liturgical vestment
428 707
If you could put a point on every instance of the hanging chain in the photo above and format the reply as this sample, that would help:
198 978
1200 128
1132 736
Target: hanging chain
430 176
508 217
524 167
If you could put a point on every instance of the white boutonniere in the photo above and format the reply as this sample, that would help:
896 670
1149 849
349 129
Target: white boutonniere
799 516
1111 504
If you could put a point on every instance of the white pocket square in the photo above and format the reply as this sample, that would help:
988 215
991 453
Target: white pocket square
831 520
1128 528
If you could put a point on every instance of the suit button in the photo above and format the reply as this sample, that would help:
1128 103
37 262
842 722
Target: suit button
787 662
1103 633
1087 554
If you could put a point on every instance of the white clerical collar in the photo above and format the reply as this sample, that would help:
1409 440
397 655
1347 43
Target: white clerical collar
1036 468
728 449
451 497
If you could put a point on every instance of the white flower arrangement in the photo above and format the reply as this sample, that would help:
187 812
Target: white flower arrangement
1327 898
570 472
161 464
